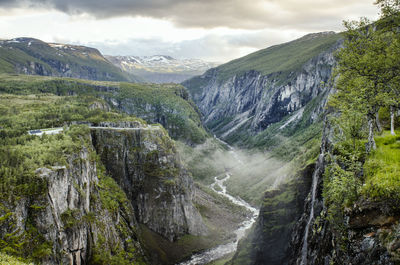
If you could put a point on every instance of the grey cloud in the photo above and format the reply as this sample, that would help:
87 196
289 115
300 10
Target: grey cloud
257 14
210 48
257 40
217 48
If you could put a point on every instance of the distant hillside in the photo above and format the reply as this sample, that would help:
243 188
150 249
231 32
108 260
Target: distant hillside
161 68
167 104
283 59
35 57
272 100
277 90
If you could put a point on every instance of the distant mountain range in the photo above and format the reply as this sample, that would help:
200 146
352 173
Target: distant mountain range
161 68
35 57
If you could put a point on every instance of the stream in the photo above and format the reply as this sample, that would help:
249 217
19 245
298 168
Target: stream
220 251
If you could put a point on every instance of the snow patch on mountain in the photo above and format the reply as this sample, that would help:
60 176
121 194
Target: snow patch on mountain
161 68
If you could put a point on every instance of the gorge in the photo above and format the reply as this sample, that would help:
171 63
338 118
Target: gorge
265 159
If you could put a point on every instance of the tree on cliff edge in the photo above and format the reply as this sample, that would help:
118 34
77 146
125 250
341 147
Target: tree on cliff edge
368 66
389 25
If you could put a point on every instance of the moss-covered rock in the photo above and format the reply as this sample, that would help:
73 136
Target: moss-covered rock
269 240
145 164
64 225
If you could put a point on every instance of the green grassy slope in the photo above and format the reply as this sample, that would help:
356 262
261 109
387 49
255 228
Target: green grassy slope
280 60
32 56
382 168
380 178
283 63
283 58
167 104
32 102
295 144
22 154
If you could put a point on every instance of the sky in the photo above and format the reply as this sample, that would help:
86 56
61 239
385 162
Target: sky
212 30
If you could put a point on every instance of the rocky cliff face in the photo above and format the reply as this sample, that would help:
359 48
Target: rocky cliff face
368 232
264 107
268 242
70 219
252 101
64 197
81 215
145 164
313 206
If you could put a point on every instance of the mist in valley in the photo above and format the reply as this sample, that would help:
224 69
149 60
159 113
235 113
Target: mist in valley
252 172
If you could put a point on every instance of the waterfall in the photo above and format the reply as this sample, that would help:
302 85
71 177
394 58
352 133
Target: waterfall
311 217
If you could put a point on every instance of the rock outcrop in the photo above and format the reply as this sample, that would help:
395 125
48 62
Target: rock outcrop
368 232
69 191
145 164
89 210
268 242
70 219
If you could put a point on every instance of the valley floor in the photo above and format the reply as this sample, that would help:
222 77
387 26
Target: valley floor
221 217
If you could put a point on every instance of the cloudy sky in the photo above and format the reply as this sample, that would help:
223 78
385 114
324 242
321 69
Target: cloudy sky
214 30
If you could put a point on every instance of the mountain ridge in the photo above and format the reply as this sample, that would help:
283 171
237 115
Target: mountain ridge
161 68
271 100
255 100
35 57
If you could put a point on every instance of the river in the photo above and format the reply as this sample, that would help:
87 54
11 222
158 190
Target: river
225 249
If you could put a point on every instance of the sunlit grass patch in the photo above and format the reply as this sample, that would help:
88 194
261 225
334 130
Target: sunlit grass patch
9 260
382 168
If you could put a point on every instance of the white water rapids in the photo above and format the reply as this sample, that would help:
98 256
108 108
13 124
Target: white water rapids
222 250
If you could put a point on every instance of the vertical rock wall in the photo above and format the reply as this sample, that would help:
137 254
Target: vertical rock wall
145 164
